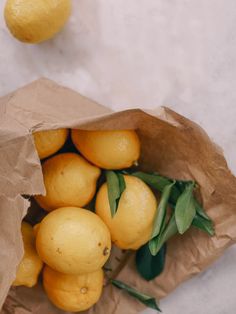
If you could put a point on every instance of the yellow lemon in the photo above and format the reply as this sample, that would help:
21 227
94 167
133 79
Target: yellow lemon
73 240
31 265
73 293
131 227
108 149
49 142
69 181
33 21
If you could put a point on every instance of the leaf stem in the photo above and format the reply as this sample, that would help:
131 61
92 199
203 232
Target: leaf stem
143 298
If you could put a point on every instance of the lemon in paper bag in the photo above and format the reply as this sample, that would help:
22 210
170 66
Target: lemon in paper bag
31 265
73 241
131 227
73 293
49 142
116 149
69 181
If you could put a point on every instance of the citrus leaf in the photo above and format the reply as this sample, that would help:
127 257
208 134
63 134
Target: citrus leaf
148 266
144 298
170 230
185 209
181 193
181 184
200 210
158 182
203 224
115 186
160 217
121 182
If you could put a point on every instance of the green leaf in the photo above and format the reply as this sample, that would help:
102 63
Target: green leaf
181 197
181 184
148 266
185 209
200 210
170 230
160 219
203 224
161 210
154 180
121 182
155 245
144 298
116 186
158 182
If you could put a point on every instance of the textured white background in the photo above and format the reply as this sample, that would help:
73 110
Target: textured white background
146 53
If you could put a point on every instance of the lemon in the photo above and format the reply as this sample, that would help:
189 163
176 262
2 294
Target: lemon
108 149
131 227
73 293
69 181
31 265
33 21
49 142
73 241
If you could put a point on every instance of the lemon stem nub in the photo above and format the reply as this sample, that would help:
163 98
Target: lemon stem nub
106 251
84 290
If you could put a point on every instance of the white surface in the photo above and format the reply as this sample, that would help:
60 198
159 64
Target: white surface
146 53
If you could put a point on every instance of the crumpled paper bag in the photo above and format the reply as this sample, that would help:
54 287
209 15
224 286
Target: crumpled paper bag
171 144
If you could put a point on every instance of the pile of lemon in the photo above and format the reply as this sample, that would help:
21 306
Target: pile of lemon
71 241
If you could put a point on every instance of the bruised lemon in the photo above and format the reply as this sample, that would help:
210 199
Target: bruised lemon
31 265
131 227
108 149
73 241
69 181
34 21
73 293
49 142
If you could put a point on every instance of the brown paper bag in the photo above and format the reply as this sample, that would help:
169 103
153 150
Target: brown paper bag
171 145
